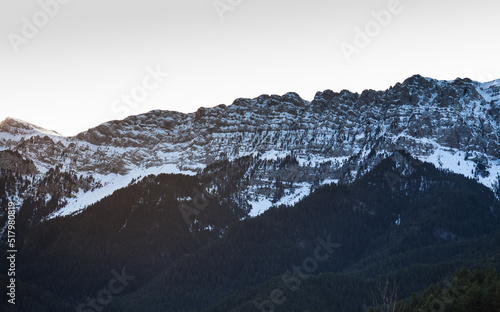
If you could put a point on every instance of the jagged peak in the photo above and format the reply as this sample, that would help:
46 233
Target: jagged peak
10 123
329 95
272 99
466 79
17 122
418 80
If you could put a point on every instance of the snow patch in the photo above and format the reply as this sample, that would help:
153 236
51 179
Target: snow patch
112 183
263 203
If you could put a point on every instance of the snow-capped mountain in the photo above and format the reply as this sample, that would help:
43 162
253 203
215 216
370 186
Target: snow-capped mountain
295 144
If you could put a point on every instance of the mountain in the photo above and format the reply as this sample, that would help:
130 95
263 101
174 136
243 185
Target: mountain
336 137
207 210
374 230
422 228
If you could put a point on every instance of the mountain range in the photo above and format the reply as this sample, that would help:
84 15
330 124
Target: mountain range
210 210
336 137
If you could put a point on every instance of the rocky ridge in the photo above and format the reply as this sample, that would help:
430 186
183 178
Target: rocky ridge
295 144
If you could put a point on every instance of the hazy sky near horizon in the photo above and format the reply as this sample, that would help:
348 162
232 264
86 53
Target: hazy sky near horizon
70 65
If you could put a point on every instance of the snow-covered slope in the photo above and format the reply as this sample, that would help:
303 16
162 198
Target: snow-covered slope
297 144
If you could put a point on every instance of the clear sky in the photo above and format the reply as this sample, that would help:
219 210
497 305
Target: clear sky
68 65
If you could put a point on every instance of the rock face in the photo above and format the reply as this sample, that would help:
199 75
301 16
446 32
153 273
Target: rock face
15 162
335 137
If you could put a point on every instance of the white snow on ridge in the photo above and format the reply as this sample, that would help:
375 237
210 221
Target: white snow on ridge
112 183
330 181
300 191
36 129
259 206
484 87
454 161
274 155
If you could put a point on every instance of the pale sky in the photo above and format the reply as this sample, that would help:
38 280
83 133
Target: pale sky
73 67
